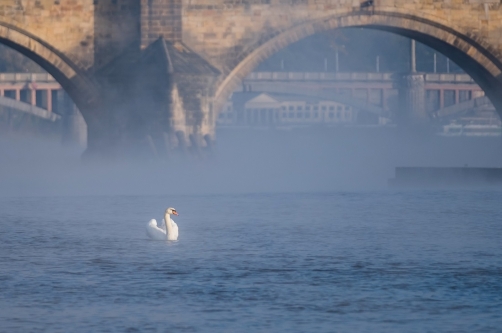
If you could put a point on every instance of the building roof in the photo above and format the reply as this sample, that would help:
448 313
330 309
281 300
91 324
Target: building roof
245 97
177 58
168 57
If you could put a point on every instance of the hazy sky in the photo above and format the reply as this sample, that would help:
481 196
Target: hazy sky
358 49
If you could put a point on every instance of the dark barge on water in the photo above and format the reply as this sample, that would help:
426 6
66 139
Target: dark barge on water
446 177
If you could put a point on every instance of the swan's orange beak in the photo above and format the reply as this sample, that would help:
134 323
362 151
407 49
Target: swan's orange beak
175 213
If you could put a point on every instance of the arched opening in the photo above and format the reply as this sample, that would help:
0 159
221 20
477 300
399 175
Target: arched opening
63 84
474 56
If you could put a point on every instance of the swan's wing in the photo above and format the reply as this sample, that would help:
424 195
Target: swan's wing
175 229
155 232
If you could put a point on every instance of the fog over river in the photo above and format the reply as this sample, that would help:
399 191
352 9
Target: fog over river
243 161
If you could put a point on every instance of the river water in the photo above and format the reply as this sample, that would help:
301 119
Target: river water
358 261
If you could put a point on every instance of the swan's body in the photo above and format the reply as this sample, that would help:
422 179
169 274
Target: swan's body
167 231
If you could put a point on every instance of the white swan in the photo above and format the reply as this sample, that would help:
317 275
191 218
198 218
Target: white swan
156 233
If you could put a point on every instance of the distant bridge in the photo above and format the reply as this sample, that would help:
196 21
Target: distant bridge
37 89
12 104
372 89
41 96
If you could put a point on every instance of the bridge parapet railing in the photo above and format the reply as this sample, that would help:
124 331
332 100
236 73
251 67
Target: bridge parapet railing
448 77
263 75
296 76
379 76
359 76
313 76
352 76
22 77
26 77
319 76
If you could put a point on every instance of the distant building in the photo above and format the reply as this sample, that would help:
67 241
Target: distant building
276 110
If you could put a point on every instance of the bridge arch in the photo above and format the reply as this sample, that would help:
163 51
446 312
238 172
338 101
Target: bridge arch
70 76
474 55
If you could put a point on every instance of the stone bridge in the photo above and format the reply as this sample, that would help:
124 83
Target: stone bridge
161 69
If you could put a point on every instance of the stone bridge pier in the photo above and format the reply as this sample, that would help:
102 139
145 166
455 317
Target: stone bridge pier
151 75
158 100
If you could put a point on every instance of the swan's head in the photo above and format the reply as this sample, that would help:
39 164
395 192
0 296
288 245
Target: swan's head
171 211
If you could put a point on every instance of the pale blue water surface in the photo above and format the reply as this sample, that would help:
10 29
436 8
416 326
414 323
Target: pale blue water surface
383 261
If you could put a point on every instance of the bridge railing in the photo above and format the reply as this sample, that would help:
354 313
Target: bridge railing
332 76
321 76
448 77
279 76
26 77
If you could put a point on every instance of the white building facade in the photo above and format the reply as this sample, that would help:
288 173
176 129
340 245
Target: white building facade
276 110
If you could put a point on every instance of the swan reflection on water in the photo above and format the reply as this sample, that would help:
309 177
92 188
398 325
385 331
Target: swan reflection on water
160 233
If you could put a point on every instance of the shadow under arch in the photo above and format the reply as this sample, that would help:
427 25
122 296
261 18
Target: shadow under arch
474 55
69 75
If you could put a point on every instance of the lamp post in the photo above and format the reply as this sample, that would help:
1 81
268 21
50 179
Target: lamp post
413 58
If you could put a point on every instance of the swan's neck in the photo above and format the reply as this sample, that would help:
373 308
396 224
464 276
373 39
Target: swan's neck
169 226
